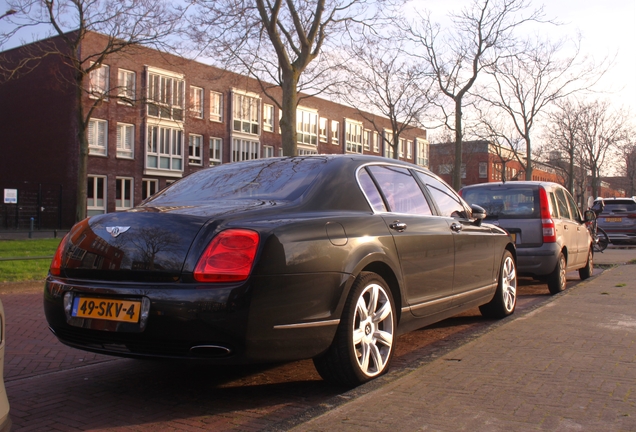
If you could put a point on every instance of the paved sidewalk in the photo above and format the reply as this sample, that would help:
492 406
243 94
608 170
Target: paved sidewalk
569 365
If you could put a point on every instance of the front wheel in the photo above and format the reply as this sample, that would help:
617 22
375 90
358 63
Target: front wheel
364 343
557 279
603 240
505 299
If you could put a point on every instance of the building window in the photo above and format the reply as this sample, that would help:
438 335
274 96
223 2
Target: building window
164 150
149 188
196 142
353 136
216 106
322 129
421 149
483 169
216 151
97 137
96 195
125 140
335 132
409 150
306 152
377 141
268 118
246 114
166 96
98 82
401 145
268 152
366 139
124 193
244 150
388 147
306 127
126 87
196 102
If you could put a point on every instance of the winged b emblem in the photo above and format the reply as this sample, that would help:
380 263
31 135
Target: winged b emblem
116 230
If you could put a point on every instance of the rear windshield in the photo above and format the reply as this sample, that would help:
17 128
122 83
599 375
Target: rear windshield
502 203
266 179
620 207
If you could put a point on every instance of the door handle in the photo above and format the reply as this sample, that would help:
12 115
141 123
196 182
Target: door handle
456 227
398 226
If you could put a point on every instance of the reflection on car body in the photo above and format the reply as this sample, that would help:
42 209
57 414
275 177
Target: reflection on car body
327 257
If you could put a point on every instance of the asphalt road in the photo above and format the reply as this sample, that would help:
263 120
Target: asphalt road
54 387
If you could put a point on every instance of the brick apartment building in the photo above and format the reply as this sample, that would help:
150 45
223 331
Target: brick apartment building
171 117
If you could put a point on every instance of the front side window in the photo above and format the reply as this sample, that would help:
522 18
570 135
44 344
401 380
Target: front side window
196 142
124 193
246 114
149 188
562 203
96 195
448 203
166 96
400 190
216 106
164 149
306 127
353 136
196 102
216 148
268 118
125 140
245 150
126 87
98 82
97 135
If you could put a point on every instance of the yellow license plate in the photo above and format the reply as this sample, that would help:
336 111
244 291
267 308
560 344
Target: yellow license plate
614 219
106 309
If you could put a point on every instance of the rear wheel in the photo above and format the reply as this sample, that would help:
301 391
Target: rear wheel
363 346
557 279
603 240
505 299
587 271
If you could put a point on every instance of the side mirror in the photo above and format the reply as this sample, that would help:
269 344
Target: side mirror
589 215
479 213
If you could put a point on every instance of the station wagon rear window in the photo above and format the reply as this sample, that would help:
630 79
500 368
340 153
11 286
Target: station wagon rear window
502 203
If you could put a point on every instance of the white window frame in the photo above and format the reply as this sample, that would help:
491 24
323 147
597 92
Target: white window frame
377 138
166 94
353 136
126 81
322 129
335 132
401 145
195 149
387 140
99 82
97 136
245 149
196 102
164 146
125 141
366 139
421 151
268 151
409 149
268 117
146 188
123 185
306 126
216 151
95 206
216 106
483 169
246 113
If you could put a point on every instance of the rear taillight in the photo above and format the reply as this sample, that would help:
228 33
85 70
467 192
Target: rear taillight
56 264
229 257
547 223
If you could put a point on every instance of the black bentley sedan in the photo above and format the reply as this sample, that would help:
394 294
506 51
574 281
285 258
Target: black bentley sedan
323 257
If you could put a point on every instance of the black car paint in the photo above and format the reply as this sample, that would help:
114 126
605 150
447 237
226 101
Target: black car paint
311 249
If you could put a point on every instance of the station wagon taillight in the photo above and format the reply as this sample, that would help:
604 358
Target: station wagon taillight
547 223
229 257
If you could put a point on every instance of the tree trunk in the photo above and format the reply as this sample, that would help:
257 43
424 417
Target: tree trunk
457 172
528 158
82 165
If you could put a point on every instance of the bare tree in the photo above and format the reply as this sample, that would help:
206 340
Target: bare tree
629 152
280 43
384 84
126 24
479 37
525 83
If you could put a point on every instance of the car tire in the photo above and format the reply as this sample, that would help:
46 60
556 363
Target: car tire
505 299
587 271
364 342
557 279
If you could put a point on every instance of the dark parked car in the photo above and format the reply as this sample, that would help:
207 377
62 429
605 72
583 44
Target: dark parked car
543 219
323 257
618 219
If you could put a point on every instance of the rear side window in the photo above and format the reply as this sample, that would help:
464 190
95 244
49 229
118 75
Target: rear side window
513 202
447 201
400 190
371 191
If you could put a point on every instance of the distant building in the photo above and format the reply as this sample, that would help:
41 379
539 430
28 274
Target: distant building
172 116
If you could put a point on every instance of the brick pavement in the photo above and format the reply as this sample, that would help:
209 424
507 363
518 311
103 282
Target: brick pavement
568 365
